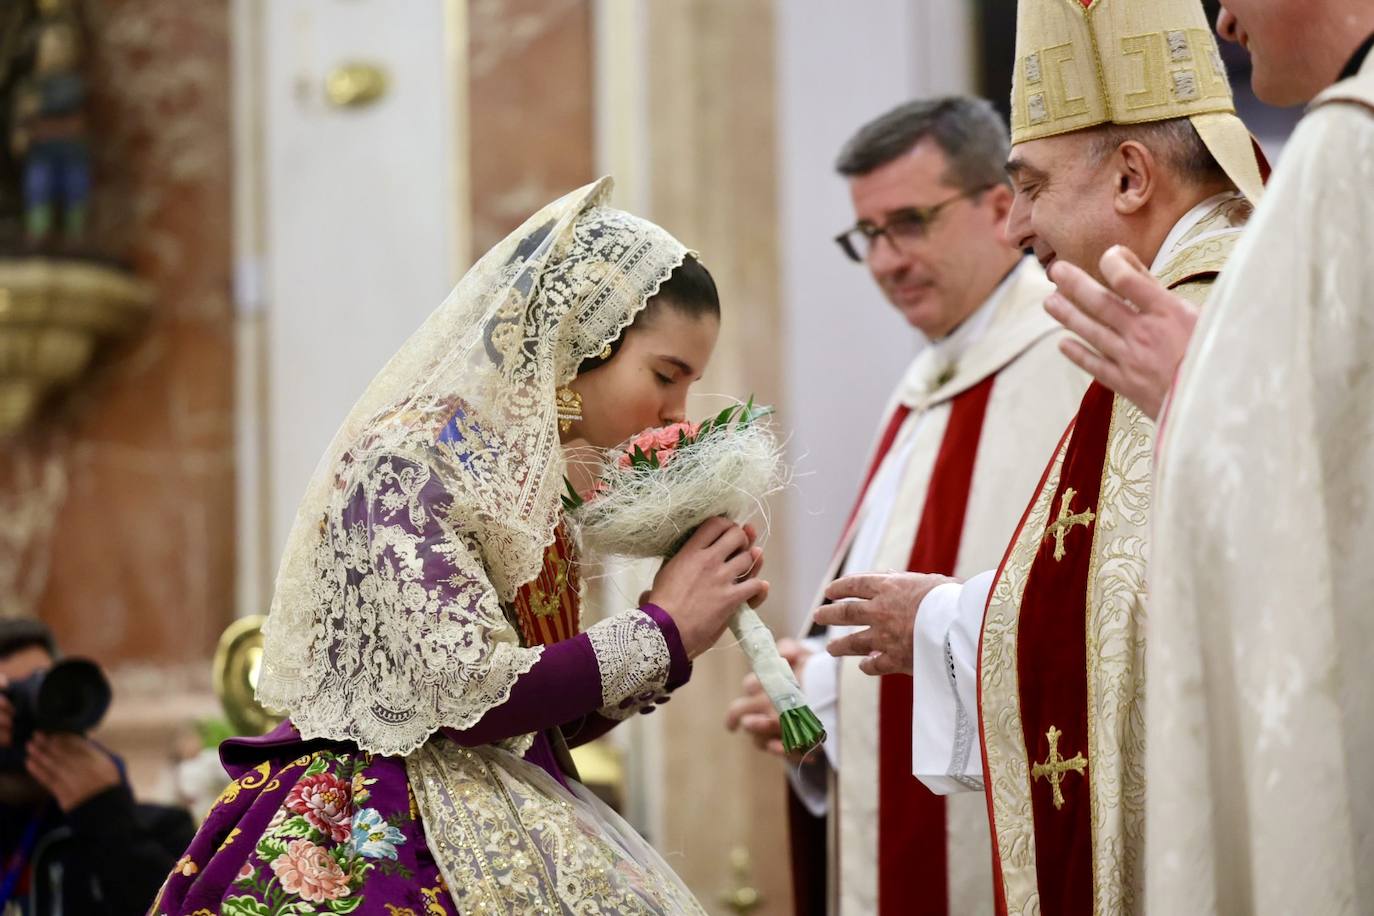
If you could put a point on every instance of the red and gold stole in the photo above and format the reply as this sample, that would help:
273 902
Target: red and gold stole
912 866
549 607
1061 653
1052 642
807 833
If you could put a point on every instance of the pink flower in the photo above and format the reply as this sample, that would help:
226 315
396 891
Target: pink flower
661 441
308 871
246 871
326 802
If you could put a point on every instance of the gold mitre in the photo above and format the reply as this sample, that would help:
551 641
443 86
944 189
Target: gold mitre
1080 63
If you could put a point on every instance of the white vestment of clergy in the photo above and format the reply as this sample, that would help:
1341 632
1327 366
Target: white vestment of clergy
1260 712
1010 346
974 647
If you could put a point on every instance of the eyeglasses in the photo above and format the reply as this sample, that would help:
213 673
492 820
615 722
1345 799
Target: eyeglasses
902 228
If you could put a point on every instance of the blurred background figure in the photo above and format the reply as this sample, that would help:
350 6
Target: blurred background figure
72 838
280 190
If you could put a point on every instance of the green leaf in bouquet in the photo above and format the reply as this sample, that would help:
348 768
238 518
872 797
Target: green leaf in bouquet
753 412
572 500
345 904
739 416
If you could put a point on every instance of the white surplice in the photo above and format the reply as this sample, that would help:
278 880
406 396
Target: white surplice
1035 393
950 621
1260 714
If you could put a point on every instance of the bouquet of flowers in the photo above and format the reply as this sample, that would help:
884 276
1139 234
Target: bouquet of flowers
657 488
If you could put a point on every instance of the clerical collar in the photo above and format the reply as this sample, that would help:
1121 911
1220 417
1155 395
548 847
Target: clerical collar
1356 61
956 343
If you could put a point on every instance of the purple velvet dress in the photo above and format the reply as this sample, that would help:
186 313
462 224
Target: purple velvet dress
321 827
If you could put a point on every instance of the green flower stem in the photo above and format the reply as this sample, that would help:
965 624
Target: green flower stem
801 730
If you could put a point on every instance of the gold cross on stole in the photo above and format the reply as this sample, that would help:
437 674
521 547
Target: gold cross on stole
1066 520
1055 766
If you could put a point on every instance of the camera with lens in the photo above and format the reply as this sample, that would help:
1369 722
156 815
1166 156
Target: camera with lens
72 696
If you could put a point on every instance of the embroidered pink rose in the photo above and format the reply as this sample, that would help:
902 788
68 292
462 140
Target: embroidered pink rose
309 872
246 872
326 803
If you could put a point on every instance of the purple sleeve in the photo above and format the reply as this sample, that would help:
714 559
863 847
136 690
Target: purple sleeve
564 686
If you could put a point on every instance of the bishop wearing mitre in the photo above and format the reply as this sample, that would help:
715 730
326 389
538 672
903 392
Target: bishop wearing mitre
1123 133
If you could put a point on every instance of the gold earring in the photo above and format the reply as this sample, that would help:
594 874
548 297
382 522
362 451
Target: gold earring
569 404
605 352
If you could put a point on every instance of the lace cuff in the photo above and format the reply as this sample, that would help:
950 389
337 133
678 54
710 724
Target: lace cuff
634 660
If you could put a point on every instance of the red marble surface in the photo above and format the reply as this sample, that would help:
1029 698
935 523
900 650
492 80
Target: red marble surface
136 531
530 101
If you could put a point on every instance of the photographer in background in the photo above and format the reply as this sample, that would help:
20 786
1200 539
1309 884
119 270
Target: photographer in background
72 839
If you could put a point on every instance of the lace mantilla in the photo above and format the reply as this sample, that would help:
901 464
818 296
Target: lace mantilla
440 492
633 657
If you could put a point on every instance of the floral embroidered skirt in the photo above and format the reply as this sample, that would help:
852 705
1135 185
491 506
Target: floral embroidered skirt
447 830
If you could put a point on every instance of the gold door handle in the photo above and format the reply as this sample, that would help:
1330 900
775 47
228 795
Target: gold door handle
355 85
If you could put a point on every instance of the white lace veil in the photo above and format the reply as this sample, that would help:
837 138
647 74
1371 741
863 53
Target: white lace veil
439 494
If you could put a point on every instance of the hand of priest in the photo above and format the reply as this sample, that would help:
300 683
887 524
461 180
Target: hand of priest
1137 330
884 603
753 712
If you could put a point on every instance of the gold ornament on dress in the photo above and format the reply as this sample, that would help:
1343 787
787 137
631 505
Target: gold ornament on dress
548 602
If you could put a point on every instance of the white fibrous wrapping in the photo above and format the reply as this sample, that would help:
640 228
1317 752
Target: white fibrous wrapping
649 514
640 513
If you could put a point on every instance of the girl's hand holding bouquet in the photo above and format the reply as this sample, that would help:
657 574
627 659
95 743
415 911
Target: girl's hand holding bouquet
681 492
710 577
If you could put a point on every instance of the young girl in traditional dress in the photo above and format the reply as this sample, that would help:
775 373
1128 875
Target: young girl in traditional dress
424 637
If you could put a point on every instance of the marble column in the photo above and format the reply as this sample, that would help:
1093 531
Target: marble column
529 109
118 513
712 160
139 473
